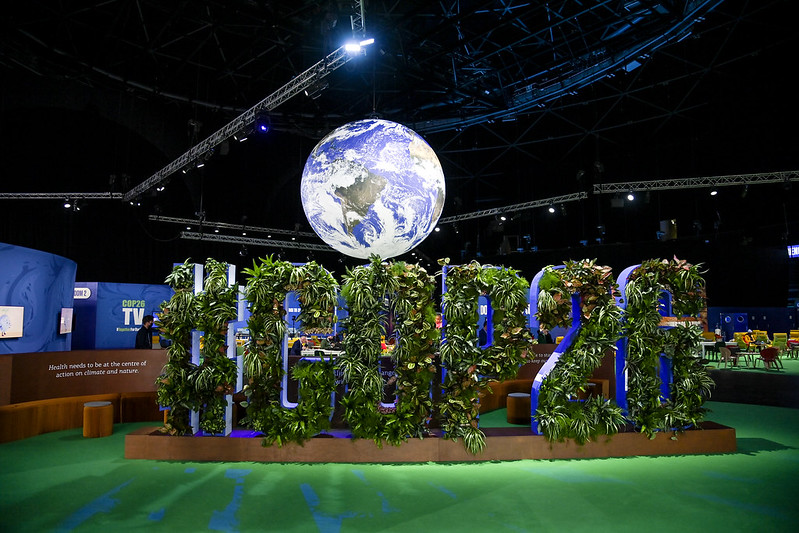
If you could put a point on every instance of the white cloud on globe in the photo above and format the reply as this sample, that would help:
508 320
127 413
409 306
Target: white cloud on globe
372 187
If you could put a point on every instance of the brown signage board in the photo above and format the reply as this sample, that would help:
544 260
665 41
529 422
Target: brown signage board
42 375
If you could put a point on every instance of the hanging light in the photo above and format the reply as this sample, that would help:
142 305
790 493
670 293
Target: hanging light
630 196
262 123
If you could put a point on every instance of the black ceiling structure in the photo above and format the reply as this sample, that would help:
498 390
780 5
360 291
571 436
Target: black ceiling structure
522 102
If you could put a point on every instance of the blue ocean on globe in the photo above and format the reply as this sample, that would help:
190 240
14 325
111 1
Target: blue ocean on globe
372 187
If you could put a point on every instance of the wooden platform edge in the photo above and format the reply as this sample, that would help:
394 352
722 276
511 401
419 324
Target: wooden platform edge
142 444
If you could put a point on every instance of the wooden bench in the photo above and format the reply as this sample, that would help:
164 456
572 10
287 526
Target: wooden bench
28 419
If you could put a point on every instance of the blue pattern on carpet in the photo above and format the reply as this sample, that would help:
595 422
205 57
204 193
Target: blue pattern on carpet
103 504
325 522
226 520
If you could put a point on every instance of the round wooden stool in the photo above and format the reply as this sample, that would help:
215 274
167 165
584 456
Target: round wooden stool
518 408
98 419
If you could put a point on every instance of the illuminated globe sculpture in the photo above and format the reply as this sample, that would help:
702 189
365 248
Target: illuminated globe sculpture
372 187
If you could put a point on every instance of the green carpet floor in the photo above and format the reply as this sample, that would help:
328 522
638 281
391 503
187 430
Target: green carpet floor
789 367
63 482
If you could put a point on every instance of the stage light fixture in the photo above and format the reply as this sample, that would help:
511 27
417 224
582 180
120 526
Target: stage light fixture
551 208
263 123
315 91
67 204
630 196
714 192
353 48
438 229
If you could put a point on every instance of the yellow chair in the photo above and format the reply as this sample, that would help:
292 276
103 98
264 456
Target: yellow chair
780 342
794 334
761 338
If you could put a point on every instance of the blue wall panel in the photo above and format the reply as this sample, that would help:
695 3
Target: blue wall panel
42 283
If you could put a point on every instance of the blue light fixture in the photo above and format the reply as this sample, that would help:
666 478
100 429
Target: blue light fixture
262 123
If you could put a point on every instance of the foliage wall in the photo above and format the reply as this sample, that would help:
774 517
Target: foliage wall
405 292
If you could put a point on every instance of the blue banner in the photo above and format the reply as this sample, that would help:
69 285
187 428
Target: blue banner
120 310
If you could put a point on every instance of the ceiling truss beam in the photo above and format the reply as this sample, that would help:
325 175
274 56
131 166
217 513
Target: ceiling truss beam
697 183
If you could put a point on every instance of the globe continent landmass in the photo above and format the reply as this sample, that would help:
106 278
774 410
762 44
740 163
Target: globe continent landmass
373 187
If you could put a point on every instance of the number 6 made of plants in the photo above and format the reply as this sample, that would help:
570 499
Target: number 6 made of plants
664 384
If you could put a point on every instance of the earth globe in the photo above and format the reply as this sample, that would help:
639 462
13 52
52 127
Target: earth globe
372 187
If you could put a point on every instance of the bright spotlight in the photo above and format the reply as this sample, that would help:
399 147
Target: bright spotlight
367 42
352 48
630 196
551 209
714 192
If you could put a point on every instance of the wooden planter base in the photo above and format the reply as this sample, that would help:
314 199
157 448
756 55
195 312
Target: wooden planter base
502 444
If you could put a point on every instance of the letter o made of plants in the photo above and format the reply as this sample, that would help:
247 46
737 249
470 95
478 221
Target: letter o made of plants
469 368
266 290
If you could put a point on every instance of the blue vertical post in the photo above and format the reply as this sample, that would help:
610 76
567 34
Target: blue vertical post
194 416
562 347
622 345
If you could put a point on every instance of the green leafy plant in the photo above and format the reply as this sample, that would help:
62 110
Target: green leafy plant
268 283
176 321
470 368
215 377
559 416
371 292
691 384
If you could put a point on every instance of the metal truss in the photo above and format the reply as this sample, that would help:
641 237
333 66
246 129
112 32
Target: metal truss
268 243
358 19
227 225
697 183
515 207
61 195
333 61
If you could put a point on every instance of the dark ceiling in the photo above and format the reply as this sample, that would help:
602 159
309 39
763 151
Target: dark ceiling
520 100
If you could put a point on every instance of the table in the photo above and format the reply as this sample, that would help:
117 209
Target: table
707 344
